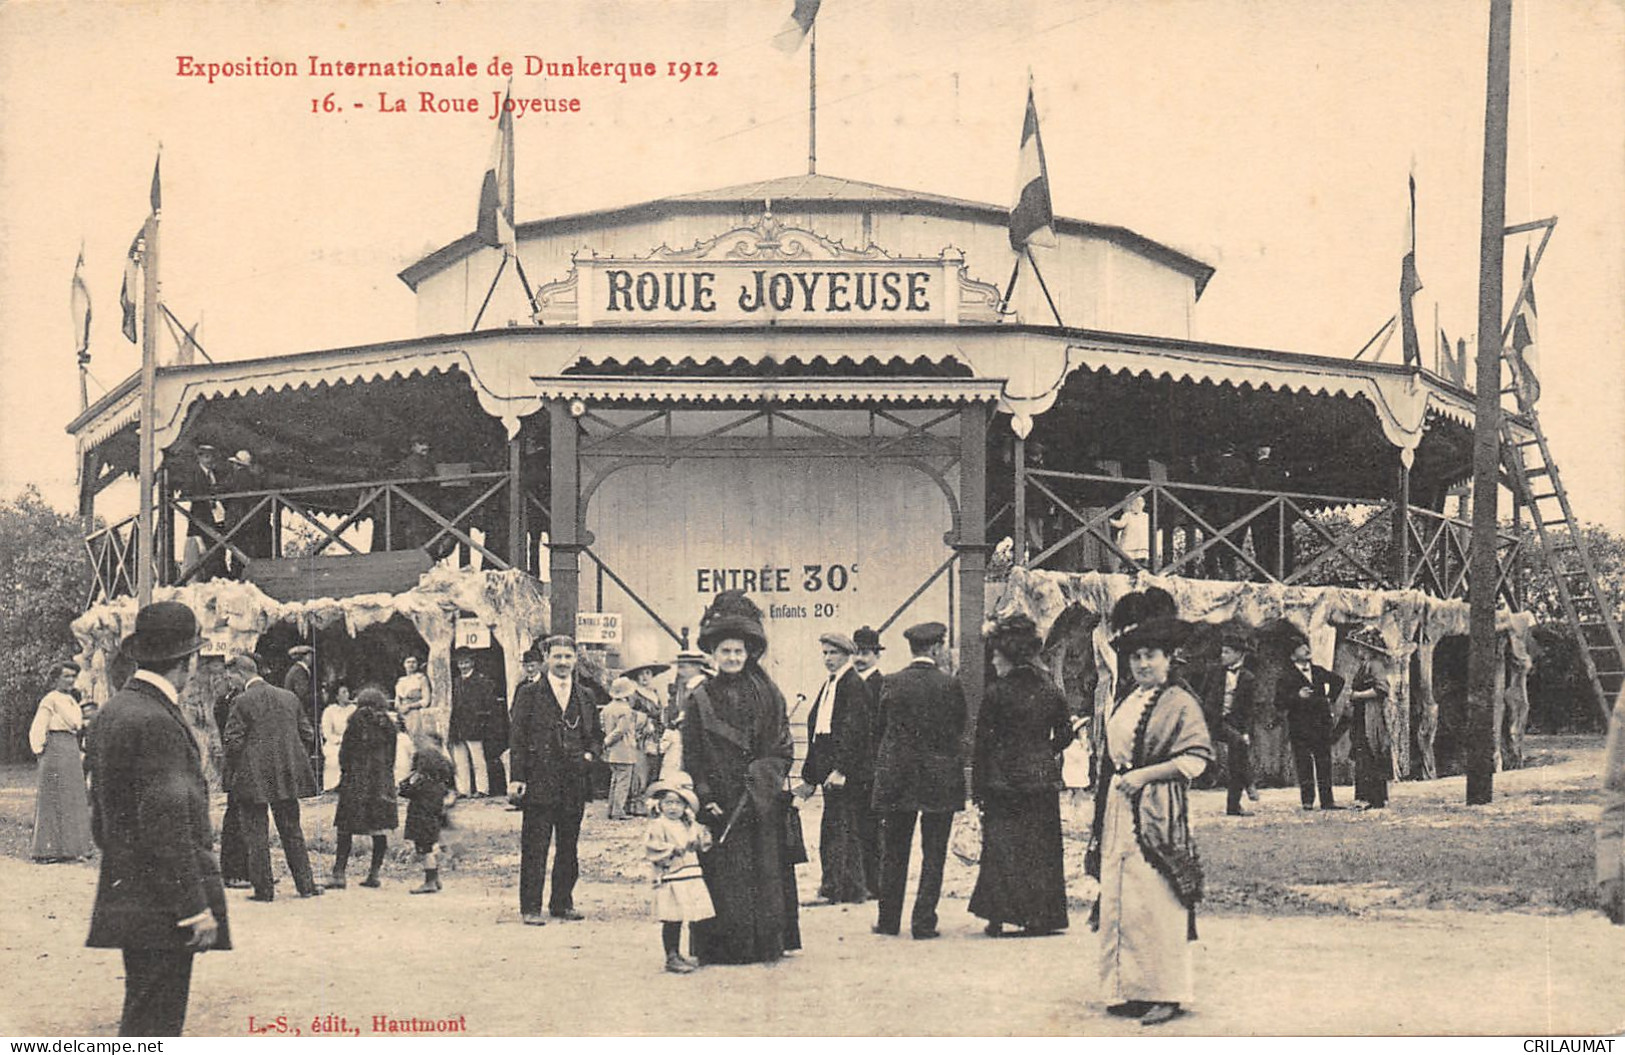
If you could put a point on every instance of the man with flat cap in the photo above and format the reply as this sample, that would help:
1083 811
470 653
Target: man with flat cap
866 661
159 896
554 739
839 761
919 775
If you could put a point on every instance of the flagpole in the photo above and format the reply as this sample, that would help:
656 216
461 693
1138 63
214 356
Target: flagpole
148 549
812 100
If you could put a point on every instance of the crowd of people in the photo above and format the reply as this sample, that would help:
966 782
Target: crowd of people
888 752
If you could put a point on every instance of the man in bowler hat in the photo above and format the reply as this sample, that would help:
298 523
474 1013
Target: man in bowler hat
554 740
1306 694
158 897
919 775
1228 698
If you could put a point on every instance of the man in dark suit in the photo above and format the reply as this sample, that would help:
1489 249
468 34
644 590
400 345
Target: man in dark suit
840 761
204 513
866 661
919 774
1306 693
474 701
554 739
158 897
268 744
233 851
1228 699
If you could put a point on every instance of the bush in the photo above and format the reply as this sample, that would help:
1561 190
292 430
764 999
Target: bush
43 570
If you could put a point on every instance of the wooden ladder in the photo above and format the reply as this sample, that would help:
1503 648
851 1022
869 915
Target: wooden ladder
1562 540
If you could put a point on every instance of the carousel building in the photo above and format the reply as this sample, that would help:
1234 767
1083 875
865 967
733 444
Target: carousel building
829 394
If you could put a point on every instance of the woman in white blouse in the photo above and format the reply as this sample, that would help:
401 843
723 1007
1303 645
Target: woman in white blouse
1140 847
61 807
334 720
412 698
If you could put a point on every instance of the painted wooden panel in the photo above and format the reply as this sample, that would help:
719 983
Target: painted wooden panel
821 544
1130 293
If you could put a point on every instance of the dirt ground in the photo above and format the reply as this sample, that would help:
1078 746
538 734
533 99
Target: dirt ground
1372 964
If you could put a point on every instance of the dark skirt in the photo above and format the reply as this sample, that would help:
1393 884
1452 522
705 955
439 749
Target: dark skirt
753 888
1370 777
1022 879
840 848
62 806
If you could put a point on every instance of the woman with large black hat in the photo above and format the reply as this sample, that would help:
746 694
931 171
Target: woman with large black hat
1016 781
1140 847
738 749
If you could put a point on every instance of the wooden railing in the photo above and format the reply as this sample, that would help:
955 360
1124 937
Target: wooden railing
115 555
1084 523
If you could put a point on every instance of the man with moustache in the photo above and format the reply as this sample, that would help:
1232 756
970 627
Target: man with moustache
1306 693
839 761
554 739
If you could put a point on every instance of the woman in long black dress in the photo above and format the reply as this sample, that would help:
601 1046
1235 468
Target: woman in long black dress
738 749
1016 780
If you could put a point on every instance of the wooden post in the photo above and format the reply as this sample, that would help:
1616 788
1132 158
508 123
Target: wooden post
1018 535
972 548
564 547
516 500
1402 525
1481 659
147 550
165 549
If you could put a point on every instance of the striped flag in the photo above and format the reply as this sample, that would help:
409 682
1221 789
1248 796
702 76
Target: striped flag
1032 219
800 23
1525 342
495 226
1410 284
132 276
80 300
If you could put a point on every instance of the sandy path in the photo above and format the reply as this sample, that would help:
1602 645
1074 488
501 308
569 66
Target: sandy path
360 953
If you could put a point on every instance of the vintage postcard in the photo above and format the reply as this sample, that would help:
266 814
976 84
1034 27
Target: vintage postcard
599 477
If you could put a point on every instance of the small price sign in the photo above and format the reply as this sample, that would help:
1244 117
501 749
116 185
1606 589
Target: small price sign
598 628
471 633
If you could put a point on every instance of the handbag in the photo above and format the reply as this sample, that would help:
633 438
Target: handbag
795 844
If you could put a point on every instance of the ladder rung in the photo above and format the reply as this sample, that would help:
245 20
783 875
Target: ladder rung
1538 471
1551 523
1548 494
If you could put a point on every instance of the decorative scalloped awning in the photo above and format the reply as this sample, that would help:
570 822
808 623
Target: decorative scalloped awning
1026 365
772 390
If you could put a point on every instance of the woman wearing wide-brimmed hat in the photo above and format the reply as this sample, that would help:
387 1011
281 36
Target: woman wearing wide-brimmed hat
1022 728
1368 740
737 748
1140 846
61 805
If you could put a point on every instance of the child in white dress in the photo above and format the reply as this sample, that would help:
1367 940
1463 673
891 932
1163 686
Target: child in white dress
673 847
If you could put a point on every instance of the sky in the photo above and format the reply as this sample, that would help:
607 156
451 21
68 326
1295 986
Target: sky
1269 138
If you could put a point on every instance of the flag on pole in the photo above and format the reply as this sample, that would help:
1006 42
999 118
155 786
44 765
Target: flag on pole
1032 219
495 226
1410 284
796 28
1525 341
155 196
126 292
80 301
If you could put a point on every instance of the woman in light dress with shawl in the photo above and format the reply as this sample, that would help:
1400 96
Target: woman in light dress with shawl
1140 847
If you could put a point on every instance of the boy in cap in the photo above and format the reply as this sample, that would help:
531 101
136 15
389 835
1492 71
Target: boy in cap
621 744
839 761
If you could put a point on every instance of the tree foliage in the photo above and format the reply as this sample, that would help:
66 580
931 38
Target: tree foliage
44 572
